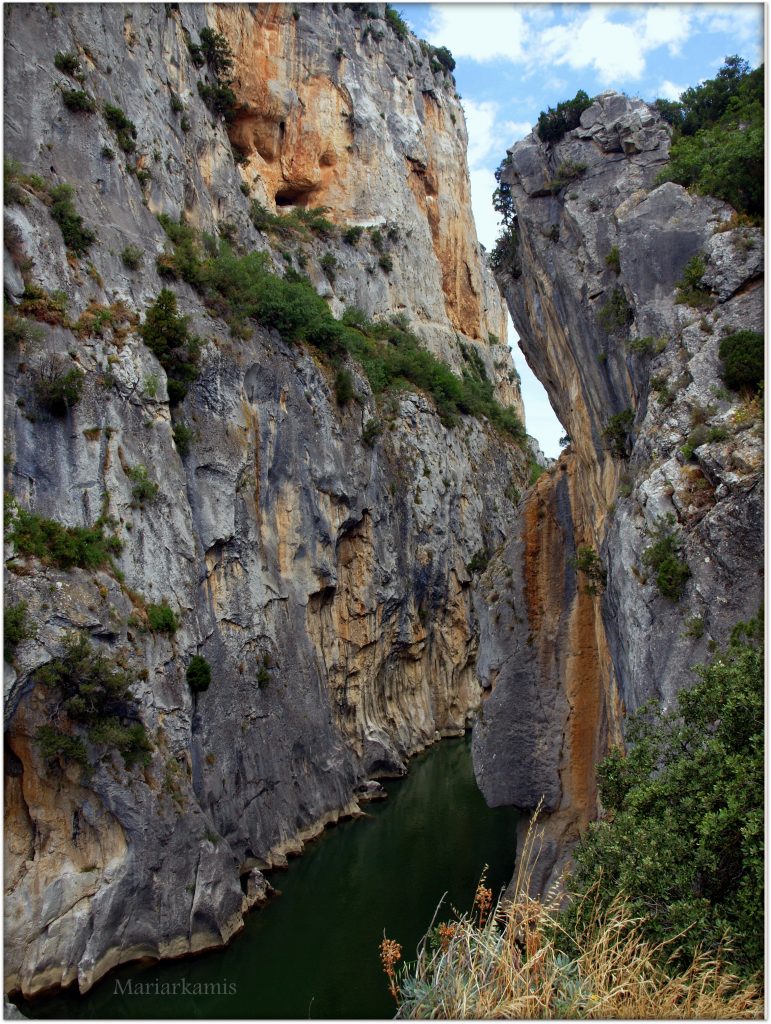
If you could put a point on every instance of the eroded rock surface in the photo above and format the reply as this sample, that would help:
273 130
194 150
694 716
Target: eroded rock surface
323 578
594 297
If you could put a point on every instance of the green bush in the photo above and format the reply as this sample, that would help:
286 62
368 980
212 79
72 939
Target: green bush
344 389
166 334
17 627
664 556
568 170
743 355
352 234
397 23
78 101
718 142
76 235
162 619
144 490
373 428
132 257
93 691
479 561
215 51
443 57
183 437
696 438
615 314
648 346
690 290
62 546
613 260
57 388
198 674
588 562
328 264
67 62
553 123
682 837
617 431
54 743
17 331
385 262
124 128
220 99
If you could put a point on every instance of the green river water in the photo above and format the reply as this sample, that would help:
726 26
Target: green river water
313 951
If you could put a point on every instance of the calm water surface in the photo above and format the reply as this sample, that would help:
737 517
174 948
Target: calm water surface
313 951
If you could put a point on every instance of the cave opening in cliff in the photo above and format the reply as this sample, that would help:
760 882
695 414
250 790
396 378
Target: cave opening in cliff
293 196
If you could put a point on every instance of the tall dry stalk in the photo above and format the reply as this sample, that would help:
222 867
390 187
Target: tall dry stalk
508 965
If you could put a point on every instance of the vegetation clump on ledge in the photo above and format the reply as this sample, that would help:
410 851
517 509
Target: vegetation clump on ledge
242 288
665 911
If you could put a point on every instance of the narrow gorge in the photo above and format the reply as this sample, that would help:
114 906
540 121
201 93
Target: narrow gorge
273 522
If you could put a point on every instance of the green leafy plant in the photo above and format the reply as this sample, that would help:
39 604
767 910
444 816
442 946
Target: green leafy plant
664 557
183 437
615 314
328 264
78 101
373 428
617 433
588 562
132 257
144 489
166 334
479 562
613 260
344 389
743 358
352 234
54 544
555 122
67 63
76 235
58 386
17 627
162 619
397 23
690 290
683 833
198 674
648 346
124 128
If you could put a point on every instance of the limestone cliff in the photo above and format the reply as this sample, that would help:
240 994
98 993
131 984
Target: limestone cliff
632 370
323 575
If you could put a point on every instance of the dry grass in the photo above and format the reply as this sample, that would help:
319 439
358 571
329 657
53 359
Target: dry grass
507 966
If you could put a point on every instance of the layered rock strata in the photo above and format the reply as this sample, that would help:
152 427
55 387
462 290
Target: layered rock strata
593 292
323 578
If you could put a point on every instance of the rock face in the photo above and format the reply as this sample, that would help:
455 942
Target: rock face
594 296
323 579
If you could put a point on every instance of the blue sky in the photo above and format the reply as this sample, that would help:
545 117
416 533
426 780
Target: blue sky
515 60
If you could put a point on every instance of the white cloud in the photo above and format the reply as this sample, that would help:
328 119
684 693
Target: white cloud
480 31
516 130
486 219
667 90
666 24
614 50
480 121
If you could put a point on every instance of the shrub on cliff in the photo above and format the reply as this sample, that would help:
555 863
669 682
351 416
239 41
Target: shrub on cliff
198 674
664 556
683 833
166 334
554 122
55 544
718 142
76 235
743 355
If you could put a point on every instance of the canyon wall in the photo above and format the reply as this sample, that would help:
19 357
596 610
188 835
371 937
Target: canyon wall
325 576
659 447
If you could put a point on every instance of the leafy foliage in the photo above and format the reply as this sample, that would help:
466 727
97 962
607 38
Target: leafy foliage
198 674
144 489
76 235
617 431
17 627
588 562
683 833
718 142
166 334
124 128
743 356
553 123
132 257
664 556
240 288
78 101
62 546
615 314
66 62
162 619
94 691
57 388
690 290
397 23
215 51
